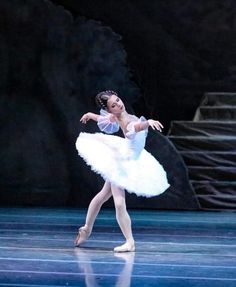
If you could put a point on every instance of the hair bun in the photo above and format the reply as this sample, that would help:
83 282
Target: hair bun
102 98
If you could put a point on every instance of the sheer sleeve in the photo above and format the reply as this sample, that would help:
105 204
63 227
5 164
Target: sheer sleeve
105 124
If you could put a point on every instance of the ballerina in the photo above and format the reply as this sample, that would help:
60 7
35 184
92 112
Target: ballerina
122 162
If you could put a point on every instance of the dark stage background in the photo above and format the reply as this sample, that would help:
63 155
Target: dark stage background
55 56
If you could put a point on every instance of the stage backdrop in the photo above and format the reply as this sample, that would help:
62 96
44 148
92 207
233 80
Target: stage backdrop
177 50
52 65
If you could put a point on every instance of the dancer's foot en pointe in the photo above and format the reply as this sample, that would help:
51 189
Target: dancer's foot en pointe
126 247
83 234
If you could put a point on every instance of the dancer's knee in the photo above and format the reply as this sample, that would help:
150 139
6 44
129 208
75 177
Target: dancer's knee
103 196
120 204
100 198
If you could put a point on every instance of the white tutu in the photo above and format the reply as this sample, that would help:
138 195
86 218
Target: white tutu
123 162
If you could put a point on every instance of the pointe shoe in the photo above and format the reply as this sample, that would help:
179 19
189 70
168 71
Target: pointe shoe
83 234
126 247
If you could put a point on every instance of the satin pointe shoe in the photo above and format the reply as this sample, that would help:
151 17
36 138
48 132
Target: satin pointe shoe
126 247
83 234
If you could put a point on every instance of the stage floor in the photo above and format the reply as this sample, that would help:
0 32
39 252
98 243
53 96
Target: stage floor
172 249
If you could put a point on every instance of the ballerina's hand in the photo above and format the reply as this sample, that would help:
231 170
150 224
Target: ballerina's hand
155 125
85 118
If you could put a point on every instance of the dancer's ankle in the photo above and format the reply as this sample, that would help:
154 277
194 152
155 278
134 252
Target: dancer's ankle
130 241
87 228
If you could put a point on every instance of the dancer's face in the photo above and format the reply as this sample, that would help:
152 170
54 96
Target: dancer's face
115 105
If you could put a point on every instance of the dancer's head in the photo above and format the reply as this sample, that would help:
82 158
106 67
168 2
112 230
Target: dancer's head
110 101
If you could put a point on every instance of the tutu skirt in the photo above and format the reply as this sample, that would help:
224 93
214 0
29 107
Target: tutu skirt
112 157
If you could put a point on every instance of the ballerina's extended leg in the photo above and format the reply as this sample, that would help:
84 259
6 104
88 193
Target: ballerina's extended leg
94 207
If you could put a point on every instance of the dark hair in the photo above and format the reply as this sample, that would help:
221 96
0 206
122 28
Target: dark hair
102 98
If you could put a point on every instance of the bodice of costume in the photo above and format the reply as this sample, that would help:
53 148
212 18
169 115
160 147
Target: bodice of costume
135 141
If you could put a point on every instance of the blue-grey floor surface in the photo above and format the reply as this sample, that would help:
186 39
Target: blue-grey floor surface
172 249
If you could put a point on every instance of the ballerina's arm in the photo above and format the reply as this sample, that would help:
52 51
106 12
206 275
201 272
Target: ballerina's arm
106 121
142 125
155 125
89 116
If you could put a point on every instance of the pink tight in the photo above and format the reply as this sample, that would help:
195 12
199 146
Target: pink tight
122 215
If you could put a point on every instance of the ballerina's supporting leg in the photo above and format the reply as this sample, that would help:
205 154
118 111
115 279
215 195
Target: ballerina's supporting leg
93 210
123 219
